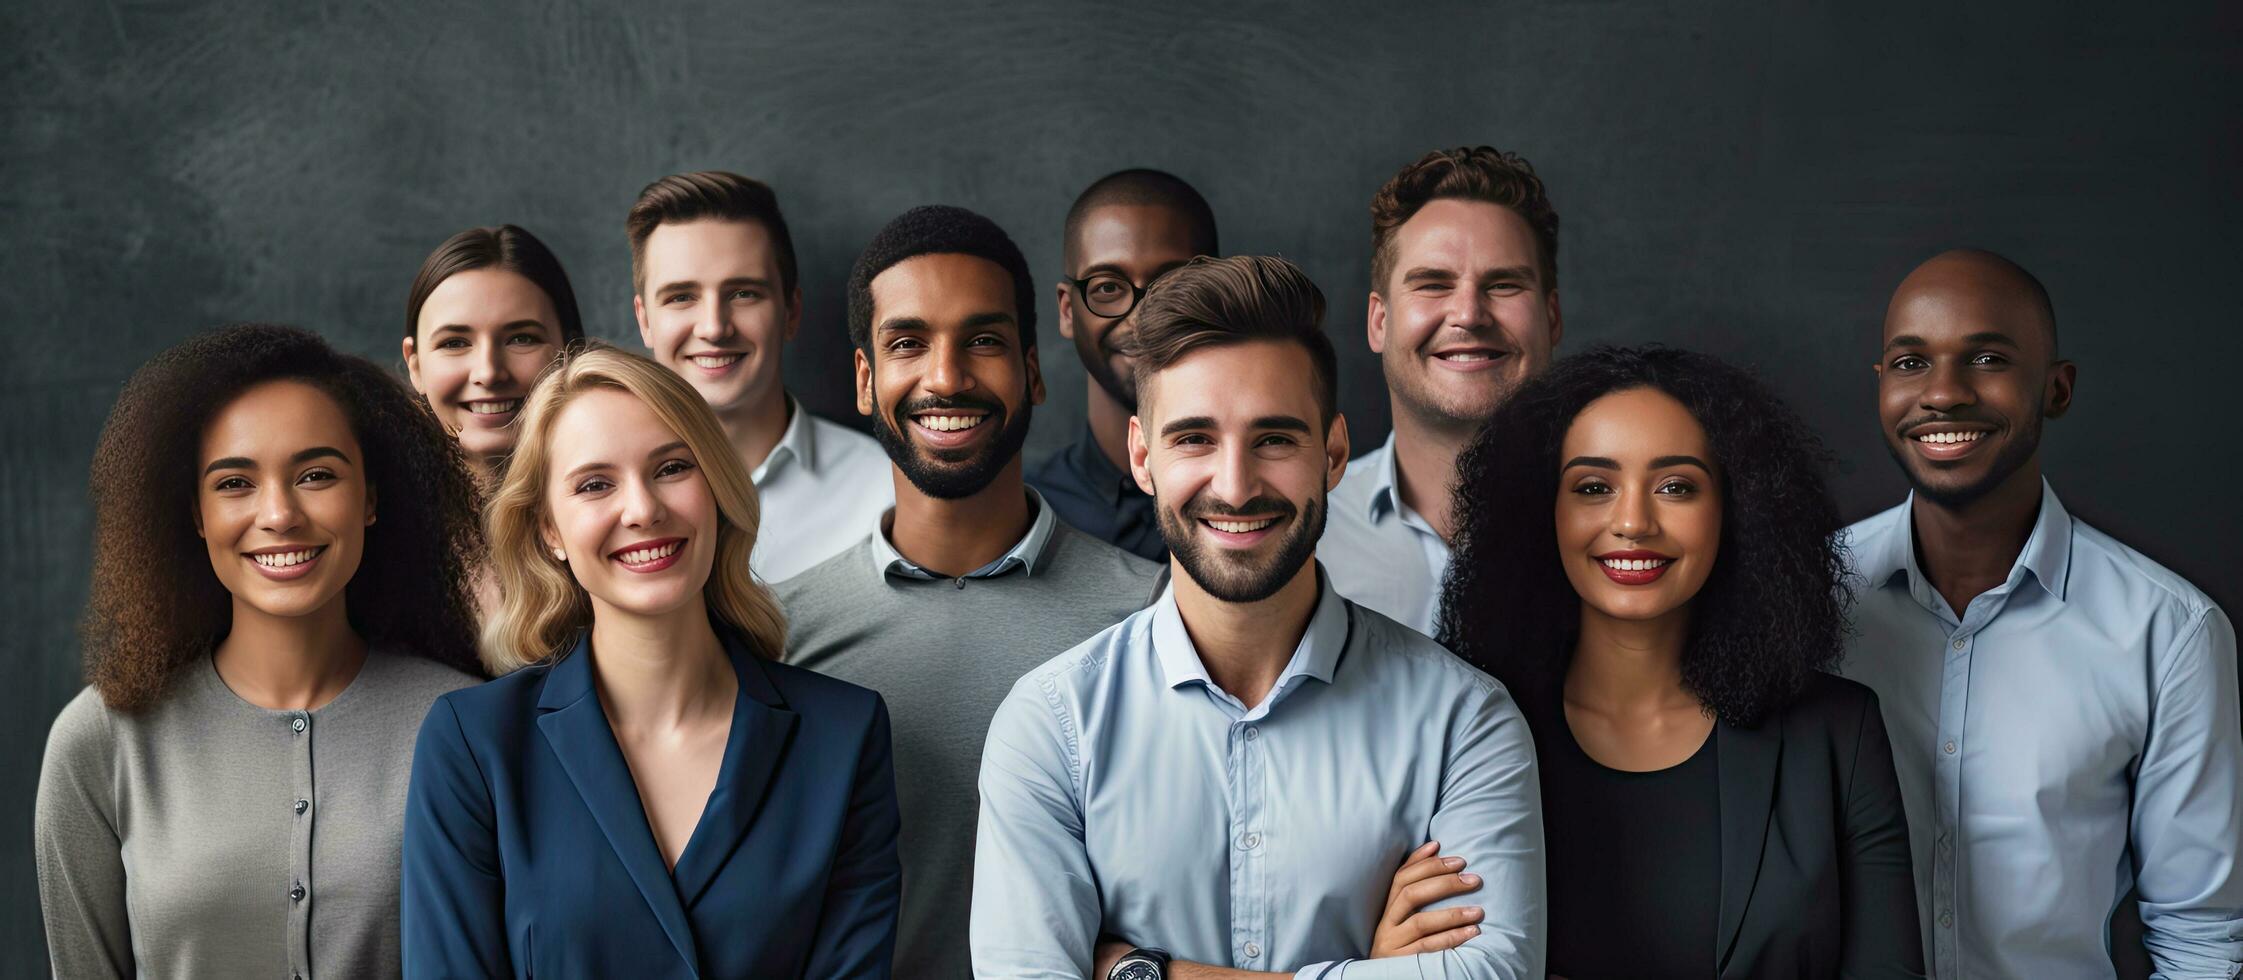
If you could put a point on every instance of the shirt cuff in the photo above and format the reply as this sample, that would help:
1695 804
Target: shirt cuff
1328 970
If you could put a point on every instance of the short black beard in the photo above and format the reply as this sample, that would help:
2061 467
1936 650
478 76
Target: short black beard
2013 457
961 478
1231 582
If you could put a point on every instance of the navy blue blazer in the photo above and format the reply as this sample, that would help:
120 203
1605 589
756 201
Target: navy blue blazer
527 851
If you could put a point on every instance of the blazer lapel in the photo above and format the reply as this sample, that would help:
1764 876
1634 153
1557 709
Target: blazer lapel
1746 759
762 728
577 729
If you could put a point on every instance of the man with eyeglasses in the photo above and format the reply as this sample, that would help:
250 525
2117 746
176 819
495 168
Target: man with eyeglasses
1124 231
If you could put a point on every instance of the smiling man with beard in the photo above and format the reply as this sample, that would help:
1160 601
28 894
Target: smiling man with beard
970 580
1463 307
1230 778
2062 709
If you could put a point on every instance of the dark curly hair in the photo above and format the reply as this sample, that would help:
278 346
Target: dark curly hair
155 603
938 229
1769 613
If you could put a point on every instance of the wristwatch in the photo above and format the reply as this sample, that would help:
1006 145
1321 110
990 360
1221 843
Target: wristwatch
1141 963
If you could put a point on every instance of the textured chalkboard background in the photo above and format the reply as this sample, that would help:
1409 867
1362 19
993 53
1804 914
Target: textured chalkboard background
1748 178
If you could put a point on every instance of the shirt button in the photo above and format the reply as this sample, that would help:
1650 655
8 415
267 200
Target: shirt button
1253 950
298 724
301 806
1961 642
1946 920
1950 747
1253 733
1250 842
296 894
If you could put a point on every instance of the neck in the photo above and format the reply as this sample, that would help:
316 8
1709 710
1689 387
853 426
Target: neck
1425 466
290 663
1109 424
1628 667
1246 645
660 671
953 537
755 426
1967 550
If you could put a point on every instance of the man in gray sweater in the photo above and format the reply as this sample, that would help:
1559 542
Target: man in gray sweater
971 579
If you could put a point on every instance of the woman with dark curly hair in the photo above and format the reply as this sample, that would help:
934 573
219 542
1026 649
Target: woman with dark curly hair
281 547
1644 558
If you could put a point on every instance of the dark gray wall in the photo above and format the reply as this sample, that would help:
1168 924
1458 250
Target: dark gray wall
1747 178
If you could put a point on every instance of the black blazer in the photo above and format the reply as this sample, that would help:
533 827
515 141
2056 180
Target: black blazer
1815 874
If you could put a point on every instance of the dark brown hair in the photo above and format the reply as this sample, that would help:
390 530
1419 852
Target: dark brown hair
156 605
1474 173
504 247
1210 302
709 195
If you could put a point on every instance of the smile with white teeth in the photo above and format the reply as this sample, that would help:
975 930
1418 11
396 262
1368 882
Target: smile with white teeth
1949 438
287 559
1240 527
1468 356
949 423
499 406
714 360
641 556
1635 564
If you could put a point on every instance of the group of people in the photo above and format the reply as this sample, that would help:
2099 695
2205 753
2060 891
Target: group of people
557 659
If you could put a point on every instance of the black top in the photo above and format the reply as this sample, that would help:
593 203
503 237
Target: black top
1095 497
1634 860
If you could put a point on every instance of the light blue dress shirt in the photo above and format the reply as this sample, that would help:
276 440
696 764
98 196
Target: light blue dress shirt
2072 733
1122 792
1024 555
1379 552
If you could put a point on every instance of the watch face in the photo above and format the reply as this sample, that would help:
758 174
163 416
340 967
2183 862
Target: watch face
1136 970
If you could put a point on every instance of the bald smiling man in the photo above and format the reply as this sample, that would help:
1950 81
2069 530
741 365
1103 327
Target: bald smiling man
2062 709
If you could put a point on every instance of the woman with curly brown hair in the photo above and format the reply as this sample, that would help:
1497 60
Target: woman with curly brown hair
281 547
1645 560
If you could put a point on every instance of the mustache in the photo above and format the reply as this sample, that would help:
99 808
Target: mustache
930 403
1966 416
1206 508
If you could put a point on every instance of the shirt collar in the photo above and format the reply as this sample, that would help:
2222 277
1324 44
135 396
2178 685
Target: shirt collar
1317 655
1382 501
2047 554
1029 552
799 442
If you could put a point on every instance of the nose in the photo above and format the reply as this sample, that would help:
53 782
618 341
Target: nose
641 506
1946 387
712 323
1235 479
277 510
1469 308
489 367
947 372
1632 519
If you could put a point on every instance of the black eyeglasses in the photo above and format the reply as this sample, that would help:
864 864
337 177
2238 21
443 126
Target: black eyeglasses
1109 294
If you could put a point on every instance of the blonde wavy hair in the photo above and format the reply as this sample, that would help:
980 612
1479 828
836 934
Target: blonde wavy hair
541 606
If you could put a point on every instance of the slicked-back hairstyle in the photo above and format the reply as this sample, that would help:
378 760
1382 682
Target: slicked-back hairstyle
1769 612
507 247
542 606
709 195
1472 173
938 229
1210 302
1143 187
156 605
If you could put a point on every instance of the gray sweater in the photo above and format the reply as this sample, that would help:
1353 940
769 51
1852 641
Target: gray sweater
944 653
209 837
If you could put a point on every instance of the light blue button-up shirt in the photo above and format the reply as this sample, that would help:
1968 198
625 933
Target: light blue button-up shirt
1024 554
1381 553
2072 733
1122 792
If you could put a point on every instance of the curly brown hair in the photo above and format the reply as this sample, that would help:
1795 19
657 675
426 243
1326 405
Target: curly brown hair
1473 173
156 604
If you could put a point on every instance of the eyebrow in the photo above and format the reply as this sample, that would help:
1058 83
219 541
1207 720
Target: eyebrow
1431 273
909 324
1597 462
1663 462
464 328
757 281
1282 423
1110 268
1979 339
598 464
244 462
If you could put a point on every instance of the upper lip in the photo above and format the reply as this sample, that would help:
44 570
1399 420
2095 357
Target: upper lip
712 353
1633 554
637 546
954 412
1472 349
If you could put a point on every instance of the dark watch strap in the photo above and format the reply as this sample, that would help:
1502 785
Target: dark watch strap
1140 956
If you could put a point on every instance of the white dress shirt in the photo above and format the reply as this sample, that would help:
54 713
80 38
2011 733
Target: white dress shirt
1378 551
822 485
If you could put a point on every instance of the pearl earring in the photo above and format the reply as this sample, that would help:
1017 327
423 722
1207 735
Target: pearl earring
559 555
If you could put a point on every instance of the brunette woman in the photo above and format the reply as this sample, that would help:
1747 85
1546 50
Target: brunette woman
490 308
648 793
1645 560
279 592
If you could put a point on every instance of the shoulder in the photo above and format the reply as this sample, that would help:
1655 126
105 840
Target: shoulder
1403 653
1067 679
846 448
2099 561
808 692
83 734
1353 496
1081 555
822 579
497 708
1871 535
411 677
1831 697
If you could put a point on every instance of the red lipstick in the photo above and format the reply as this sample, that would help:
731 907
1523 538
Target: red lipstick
1635 566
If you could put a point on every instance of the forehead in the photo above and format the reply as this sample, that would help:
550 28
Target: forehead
1947 313
605 425
1236 383
479 297
1135 237
709 250
1464 234
1635 425
942 288
277 417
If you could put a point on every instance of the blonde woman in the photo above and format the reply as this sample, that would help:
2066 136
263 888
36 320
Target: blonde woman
646 791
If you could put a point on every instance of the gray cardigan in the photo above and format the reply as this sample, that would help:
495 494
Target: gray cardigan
209 837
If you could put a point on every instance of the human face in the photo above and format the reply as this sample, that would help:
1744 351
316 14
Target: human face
1232 445
712 309
1965 380
949 381
282 499
1638 506
1138 242
1466 313
483 336
627 506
